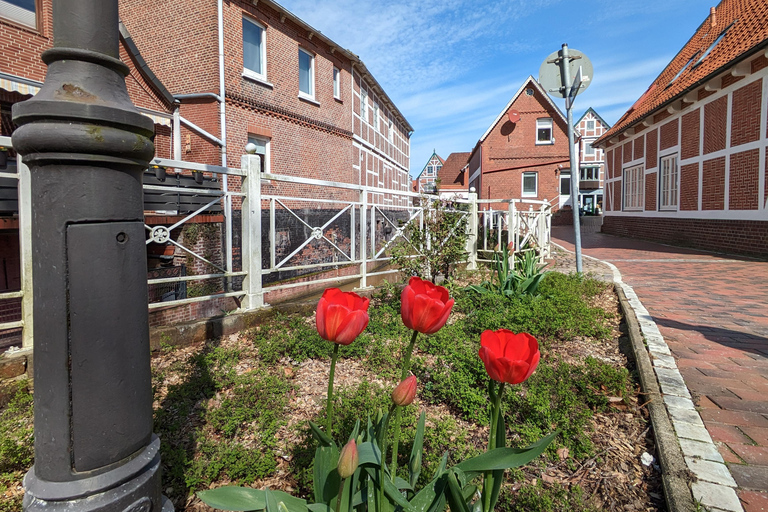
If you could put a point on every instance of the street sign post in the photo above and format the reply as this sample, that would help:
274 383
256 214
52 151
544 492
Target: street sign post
555 76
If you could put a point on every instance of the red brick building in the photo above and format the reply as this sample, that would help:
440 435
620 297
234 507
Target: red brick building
591 160
453 178
524 152
687 163
311 107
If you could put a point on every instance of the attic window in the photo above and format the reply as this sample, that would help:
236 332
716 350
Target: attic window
712 46
529 92
684 68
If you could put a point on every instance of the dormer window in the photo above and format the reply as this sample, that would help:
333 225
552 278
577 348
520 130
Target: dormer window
23 12
712 46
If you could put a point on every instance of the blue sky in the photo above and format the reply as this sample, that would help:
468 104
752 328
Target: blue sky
451 66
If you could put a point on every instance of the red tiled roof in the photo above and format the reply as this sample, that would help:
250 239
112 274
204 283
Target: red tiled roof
747 24
450 174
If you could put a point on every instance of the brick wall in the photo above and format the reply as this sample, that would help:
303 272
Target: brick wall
743 180
715 120
650 191
668 135
689 187
713 184
745 113
639 148
20 47
732 236
651 149
689 138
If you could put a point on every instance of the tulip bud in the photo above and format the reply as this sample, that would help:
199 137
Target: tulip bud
348 460
405 392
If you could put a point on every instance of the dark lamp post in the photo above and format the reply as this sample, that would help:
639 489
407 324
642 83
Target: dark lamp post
86 147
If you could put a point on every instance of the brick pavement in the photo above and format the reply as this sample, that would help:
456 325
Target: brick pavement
712 310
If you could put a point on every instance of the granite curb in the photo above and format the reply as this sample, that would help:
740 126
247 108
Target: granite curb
693 471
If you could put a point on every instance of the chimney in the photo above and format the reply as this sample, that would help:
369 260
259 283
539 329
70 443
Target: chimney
712 17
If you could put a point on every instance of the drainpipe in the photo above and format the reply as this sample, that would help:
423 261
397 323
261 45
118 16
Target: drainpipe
176 131
223 122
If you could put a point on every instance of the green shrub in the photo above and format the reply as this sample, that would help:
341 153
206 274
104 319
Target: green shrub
541 498
16 432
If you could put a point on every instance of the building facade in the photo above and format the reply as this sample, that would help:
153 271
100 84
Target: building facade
427 180
591 161
524 153
687 163
453 179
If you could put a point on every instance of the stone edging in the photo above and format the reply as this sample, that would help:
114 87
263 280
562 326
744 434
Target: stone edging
686 450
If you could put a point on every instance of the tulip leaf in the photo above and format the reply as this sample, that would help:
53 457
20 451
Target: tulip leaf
505 458
271 502
431 498
368 454
355 432
391 491
468 492
279 501
402 484
441 467
498 474
320 507
326 477
453 494
321 436
414 463
234 498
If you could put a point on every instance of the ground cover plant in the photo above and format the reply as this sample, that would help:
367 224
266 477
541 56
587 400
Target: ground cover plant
236 411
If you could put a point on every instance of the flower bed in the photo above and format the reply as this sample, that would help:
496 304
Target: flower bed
237 411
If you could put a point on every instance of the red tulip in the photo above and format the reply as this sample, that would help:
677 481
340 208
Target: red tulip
348 460
509 357
405 392
341 316
425 307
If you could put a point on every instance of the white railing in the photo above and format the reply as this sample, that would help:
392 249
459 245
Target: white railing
527 223
25 244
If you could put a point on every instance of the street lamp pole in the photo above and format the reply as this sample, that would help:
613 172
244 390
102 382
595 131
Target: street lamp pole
86 147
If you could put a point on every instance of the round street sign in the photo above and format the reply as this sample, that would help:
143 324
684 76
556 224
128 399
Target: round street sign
549 72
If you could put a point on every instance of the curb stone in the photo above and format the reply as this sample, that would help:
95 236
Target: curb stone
692 467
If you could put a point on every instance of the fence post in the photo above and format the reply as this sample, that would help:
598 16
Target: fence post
25 242
513 226
545 230
254 293
364 239
472 230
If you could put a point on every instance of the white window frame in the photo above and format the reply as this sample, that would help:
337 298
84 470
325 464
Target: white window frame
252 73
592 122
633 190
589 150
391 133
376 115
336 83
311 94
584 174
669 183
267 151
543 123
535 192
19 15
564 175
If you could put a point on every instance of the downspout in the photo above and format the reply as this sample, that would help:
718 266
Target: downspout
223 123
176 132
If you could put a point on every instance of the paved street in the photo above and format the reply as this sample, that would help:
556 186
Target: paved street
712 311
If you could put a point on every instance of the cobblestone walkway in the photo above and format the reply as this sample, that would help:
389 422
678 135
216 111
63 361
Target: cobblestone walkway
712 311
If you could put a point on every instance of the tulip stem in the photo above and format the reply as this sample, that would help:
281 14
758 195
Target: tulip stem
495 411
329 406
341 491
396 442
407 356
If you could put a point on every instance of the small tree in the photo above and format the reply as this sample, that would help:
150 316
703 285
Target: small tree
435 248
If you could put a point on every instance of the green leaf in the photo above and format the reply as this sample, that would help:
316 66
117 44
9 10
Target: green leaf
391 491
234 498
414 463
498 474
431 497
454 496
505 458
355 431
326 476
468 492
368 454
271 502
321 436
279 501
402 484
319 507
442 466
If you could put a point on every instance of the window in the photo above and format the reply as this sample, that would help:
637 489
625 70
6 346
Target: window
364 104
633 188
591 124
565 184
306 74
682 69
589 174
668 183
254 50
375 116
544 131
20 11
588 149
262 149
530 184
712 46
336 83
391 133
